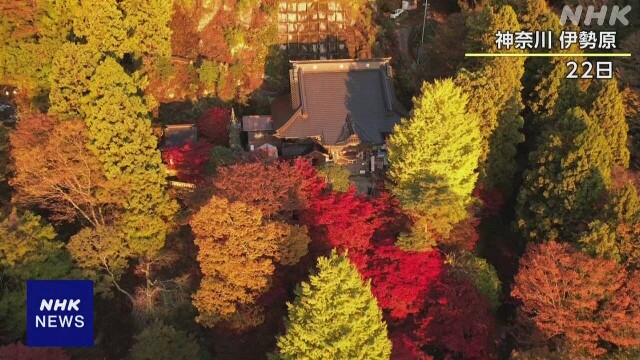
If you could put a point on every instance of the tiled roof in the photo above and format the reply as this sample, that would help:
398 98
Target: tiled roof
290 151
339 99
177 135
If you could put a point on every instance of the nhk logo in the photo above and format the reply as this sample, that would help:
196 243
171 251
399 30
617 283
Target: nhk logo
60 313
52 321
617 15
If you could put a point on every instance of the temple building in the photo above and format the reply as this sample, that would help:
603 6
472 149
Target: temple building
342 108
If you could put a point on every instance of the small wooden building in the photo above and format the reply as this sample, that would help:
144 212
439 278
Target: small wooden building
178 135
259 129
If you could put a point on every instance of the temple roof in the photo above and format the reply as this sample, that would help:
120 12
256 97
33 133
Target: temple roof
334 100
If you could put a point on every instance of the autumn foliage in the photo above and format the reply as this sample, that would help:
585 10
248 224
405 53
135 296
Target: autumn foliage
621 314
401 280
491 198
238 250
425 306
458 322
55 170
189 161
568 296
464 235
273 187
213 126
501 144
345 220
18 351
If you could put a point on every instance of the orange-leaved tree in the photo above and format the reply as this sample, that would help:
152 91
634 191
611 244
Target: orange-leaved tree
571 299
273 187
55 170
238 250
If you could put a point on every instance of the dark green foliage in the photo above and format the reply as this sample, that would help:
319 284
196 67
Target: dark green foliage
501 165
163 342
614 233
608 112
28 250
477 270
221 156
494 87
570 173
336 176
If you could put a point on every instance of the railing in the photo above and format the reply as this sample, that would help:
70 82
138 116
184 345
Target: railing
180 185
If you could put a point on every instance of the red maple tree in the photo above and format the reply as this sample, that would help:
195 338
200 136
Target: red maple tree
400 280
491 198
312 185
272 186
345 221
621 326
213 126
458 321
18 351
189 160
464 235
404 347
393 220
562 291
425 308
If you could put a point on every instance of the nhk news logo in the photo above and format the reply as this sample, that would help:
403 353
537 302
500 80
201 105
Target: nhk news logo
59 313
616 15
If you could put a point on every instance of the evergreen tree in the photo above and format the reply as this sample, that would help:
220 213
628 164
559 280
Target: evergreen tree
120 135
234 129
28 250
335 175
31 32
613 235
162 342
334 316
221 156
546 93
501 165
25 239
570 173
608 112
477 270
536 15
543 77
72 68
479 36
494 94
433 158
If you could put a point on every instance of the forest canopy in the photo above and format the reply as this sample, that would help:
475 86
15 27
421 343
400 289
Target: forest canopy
498 217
